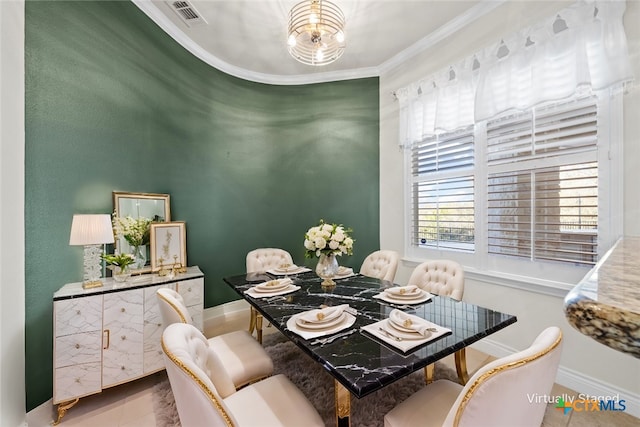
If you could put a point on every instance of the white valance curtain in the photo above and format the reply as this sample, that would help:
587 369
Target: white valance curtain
582 46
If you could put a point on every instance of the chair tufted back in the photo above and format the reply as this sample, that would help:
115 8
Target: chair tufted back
263 259
381 265
172 307
198 380
498 393
440 277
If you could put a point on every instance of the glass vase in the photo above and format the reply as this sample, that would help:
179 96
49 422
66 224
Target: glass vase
120 274
140 255
327 268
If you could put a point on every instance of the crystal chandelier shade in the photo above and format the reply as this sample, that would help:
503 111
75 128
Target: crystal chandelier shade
316 32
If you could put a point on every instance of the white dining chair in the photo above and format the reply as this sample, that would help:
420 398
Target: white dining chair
445 278
205 394
261 260
381 264
497 395
439 277
244 358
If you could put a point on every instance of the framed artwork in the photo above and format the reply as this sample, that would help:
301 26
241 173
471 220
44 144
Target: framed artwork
168 245
138 206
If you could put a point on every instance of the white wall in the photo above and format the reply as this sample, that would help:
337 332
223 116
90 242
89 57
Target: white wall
586 365
12 388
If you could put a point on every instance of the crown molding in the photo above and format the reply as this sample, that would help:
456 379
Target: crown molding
152 11
446 30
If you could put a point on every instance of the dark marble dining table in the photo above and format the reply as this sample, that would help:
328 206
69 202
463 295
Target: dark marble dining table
360 363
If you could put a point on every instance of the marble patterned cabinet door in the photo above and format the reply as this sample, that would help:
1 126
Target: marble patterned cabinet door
192 292
122 353
153 360
77 348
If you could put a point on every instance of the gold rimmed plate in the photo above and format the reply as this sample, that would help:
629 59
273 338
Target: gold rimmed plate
272 286
425 296
318 326
411 335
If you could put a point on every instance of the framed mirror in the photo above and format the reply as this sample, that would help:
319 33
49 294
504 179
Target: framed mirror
150 206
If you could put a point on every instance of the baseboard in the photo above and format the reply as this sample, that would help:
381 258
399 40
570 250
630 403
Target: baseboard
571 379
222 310
37 415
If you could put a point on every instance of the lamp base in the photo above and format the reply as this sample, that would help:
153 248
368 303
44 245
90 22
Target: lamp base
92 284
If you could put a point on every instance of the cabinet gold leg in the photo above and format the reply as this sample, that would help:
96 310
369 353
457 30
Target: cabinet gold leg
343 405
428 373
461 366
63 408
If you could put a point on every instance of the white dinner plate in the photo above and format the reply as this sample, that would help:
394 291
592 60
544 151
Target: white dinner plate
413 335
287 268
402 292
271 286
390 298
320 325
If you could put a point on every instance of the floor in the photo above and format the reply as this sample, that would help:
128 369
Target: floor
130 405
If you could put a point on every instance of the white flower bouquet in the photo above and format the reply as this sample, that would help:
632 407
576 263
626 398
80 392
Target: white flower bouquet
134 231
328 239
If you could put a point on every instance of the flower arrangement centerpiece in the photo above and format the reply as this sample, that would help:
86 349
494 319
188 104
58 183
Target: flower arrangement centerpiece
136 232
327 241
122 262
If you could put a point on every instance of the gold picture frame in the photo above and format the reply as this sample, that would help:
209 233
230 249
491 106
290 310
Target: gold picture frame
168 245
154 206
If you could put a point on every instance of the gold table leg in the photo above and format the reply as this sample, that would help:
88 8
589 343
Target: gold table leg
62 409
343 405
428 373
252 320
259 327
461 366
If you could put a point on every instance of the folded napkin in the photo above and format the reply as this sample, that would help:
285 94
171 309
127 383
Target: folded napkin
274 285
290 269
421 297
411 322
401 340
323 315
343 272
272 288
404 291
308 334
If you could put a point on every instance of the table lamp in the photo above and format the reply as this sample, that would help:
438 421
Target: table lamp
91 231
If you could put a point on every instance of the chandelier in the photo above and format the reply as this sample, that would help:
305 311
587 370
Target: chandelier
316 32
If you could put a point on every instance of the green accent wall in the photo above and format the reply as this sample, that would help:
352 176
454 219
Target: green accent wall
113 103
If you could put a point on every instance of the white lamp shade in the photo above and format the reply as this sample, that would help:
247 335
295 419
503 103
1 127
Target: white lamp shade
91 230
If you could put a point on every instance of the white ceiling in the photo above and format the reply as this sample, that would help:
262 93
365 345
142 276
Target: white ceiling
247 38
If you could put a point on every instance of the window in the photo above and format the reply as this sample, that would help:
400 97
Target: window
442 191
542 185
522 185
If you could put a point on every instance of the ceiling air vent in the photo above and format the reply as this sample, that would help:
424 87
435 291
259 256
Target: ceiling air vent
187 13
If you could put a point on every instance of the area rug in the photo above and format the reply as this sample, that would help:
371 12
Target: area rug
316 384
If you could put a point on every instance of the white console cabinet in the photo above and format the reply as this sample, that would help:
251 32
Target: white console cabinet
111 335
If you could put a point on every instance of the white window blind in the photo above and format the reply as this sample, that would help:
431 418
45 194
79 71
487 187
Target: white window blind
542 186
443 191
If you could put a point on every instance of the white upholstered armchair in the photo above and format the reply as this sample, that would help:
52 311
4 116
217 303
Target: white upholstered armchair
205 394
497 395
381 264
243 357
440 277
